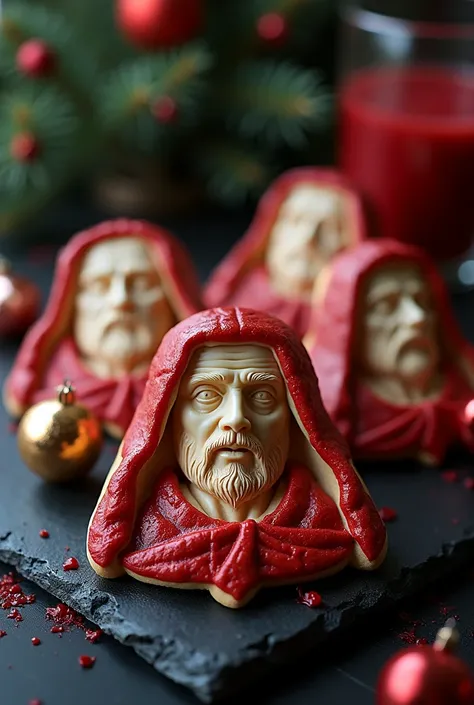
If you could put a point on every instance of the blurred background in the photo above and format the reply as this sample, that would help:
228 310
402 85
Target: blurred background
155 108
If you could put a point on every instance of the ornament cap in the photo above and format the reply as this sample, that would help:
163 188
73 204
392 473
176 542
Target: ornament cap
66 393
447 639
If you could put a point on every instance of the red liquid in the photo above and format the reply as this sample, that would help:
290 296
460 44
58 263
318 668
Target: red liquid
407 143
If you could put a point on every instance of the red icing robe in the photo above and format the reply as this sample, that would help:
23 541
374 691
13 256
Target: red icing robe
373 427
47 354
116 527
175 542
241 278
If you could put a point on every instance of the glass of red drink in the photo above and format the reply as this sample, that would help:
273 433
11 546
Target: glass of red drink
406 125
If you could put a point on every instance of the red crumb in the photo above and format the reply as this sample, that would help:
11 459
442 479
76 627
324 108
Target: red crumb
421 641
15 614
11 593
35 701
35 641
56 629
2 633
388 514
86 661
71 564
64 616
449 475
93 635
469 483
310 598
44 534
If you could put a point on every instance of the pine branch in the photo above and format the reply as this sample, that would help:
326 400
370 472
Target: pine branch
129 93
233 173
76 68
280 103
50 117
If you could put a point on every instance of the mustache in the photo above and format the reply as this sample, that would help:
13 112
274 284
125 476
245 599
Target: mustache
230 438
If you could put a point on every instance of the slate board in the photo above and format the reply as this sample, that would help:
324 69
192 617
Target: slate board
186 635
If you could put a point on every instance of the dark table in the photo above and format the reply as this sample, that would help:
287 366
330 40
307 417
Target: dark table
344 673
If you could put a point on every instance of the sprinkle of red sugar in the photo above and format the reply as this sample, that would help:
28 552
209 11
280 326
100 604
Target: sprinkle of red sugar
93 635
15 614
409 637
449 475
469 483
64 616
388 514
35 641
86 661
310 598
44 534
11 593
2 633
71 564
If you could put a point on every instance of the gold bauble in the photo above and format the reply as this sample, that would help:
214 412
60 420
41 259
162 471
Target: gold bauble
59 440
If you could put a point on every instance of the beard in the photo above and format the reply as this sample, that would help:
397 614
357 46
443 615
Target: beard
121 341
235 483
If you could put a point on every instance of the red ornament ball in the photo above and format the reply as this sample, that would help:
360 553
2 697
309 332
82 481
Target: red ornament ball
35 58
20 302
159 24
24 147
272 28
423 675
165 110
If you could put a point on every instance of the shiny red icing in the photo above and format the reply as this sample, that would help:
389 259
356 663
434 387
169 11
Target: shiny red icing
86 661
374 427
241 278
171 541
311 598
47 354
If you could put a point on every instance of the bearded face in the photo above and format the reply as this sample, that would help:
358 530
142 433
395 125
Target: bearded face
231 422
309 230
121 312
399 336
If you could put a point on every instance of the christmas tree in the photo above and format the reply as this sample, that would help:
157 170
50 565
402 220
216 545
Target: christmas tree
224 92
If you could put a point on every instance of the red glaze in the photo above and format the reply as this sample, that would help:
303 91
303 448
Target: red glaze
64 616
44 534
374 427
86 661
47 351
422 675
71 564
241 279
159 548
35 641
15 614
93 635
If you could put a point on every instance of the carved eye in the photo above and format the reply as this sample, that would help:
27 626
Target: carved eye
207 398
386 305
263 399
100 285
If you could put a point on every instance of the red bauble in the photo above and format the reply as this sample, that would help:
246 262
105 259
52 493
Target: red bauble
24 147
272 28
425 675
165 109
159 24
20 302
35 58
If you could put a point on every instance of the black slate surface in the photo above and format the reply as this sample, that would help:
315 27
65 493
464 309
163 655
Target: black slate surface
186 635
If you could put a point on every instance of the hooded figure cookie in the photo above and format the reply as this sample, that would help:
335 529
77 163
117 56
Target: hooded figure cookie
302 221
117 289
231 476
396 375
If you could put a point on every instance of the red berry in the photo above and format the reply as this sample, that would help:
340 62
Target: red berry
165 109
24 147
35 58
86 661
35 641
272 28
388 514
71 564
44 534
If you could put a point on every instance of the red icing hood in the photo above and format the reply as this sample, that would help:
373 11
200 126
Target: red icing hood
176 270
112 523
335 321
250 249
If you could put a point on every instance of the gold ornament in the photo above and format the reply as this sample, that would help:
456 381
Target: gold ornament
59 440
